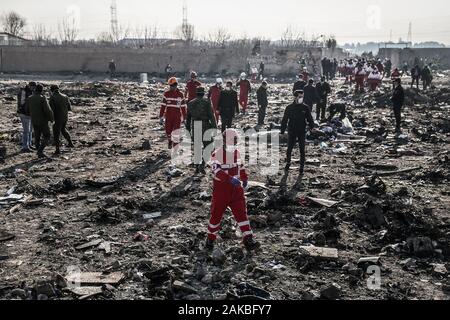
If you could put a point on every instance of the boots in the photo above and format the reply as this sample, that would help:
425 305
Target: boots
70 145
251 244
209 244
288 166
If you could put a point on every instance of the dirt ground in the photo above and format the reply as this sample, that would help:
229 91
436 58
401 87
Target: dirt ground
99 191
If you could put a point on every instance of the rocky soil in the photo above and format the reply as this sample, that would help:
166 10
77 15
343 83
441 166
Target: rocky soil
113 210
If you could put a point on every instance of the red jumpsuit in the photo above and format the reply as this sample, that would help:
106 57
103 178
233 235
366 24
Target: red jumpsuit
191 89
174 109
245 89
214 96
360 75
227 165
395 74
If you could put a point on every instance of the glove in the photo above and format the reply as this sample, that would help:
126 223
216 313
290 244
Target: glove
161 121
235 182
245 184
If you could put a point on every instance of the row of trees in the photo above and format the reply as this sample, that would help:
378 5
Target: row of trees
68 33
15 24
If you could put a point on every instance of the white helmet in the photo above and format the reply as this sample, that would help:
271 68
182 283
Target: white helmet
219 81
243 75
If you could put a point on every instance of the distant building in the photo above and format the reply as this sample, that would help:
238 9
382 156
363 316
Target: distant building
138 42
7 39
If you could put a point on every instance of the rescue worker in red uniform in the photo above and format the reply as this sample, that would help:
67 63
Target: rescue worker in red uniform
173 111
191 87
230 180
214 96
245 89
395 75
360 75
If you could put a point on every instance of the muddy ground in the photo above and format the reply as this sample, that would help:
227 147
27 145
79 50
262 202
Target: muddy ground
97 193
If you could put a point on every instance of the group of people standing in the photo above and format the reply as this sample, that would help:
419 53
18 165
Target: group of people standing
36 111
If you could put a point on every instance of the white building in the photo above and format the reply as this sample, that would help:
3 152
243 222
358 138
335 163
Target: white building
7 39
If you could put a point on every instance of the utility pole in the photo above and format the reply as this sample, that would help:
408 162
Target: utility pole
114 21
410 33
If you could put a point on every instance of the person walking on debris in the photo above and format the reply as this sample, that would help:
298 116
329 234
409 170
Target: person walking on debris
405 69
168 71
214 96
41 114
173 111
262 68
200 111
191 87
323 90
228 105
112 68
245 88
61 106
262 102
398 99
295 119
374 80
427 77
415 75
24 115
299 85
230 180
360 75
387 67
310 95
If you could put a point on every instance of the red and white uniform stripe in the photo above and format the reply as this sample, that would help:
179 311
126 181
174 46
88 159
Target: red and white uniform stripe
225 166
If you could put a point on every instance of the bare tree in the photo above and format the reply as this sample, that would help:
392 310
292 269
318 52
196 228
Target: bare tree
13 23
41 34
186 32
219 37
68 30
105 38
291 38
121 33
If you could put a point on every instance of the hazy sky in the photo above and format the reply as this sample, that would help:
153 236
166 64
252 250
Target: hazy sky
348 20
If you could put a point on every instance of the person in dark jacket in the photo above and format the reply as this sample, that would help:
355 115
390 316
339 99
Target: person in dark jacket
200 118
41 114
427 77
61 106
310 95
398 99
295 119
228 106
24 115
112 68
262 102
415 75
336 108
299 85
262 68
323 90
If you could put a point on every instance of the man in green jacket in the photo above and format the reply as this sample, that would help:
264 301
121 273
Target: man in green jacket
41 114
200 112
60 105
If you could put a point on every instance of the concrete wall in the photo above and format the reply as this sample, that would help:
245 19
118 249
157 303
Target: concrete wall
440 56
210 61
